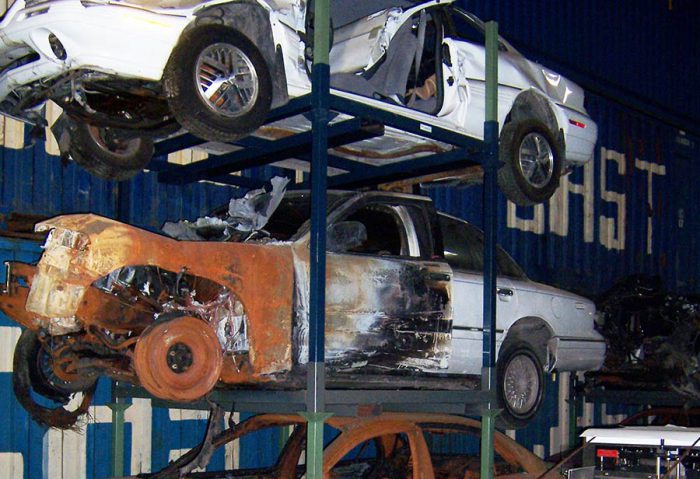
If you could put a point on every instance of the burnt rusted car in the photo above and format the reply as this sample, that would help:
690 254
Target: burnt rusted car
227 303
386 446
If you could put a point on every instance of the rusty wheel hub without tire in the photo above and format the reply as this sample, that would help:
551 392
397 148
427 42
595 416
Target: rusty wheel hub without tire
179 359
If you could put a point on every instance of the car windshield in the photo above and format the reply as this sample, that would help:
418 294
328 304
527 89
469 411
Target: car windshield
293 213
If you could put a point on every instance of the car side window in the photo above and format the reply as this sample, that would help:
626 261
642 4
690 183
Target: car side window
386 233
464 248
461 26
455 452
383 457
463 245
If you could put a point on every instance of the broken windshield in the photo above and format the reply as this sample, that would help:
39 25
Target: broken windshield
288 221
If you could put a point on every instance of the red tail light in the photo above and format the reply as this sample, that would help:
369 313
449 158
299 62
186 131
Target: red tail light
577 123
614 453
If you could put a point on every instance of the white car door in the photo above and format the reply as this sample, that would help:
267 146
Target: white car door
468 323
463 245
464 74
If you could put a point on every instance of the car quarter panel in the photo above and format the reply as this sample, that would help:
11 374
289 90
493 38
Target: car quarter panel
574 345
83 248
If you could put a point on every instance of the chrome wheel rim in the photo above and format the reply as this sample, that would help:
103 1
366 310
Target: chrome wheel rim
521 384
226 80
536 159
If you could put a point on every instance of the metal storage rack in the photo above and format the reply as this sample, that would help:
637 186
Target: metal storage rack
316 400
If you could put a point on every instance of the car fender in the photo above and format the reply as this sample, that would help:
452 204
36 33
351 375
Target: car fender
532 103
532 330
83 248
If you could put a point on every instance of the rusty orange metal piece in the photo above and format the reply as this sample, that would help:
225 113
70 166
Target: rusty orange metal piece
387 428
84 248
178 359
81 249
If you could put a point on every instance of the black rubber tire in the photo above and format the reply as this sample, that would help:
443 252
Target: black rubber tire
511 178
181 88
27 381
510 418
116 160
44 381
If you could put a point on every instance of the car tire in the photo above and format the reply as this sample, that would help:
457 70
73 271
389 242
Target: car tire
203 56
43 379
532 160
108 153
520 385
29 381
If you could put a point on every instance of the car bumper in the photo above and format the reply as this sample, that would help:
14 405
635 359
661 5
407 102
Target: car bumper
575 354
118 40
580 135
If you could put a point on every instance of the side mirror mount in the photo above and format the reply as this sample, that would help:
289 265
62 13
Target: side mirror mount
345 235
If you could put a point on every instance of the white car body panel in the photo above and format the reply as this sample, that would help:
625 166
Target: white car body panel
569 317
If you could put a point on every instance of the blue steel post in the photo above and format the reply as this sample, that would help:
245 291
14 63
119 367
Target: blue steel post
315 390
490 190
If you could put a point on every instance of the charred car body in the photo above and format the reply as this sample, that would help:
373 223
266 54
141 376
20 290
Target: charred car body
383 446
404 294
122 69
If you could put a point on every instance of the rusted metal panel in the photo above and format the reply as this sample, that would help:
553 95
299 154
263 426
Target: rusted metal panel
85 248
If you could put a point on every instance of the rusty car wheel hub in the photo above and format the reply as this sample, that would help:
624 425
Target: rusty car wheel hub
179 359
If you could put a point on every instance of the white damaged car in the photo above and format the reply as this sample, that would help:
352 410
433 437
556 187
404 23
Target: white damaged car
126 72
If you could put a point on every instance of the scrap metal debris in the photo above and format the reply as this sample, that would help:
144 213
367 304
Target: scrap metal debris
244 216
653 338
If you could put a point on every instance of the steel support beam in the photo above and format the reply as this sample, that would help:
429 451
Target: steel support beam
287 147
357 109
320 95
373 175
118 407
490 191
295 106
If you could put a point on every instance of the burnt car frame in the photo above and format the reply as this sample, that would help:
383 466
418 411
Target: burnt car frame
403 298
389 445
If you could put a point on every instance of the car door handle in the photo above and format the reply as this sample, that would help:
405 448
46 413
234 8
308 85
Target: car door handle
505 292
439 276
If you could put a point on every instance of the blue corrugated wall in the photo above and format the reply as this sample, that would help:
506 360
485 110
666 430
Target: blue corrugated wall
642 51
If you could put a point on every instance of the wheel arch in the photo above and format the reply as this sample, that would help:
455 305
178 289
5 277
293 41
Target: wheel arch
532 104
532 330
253 21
